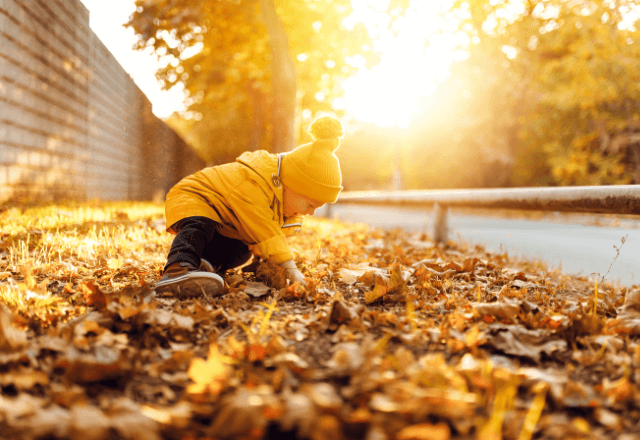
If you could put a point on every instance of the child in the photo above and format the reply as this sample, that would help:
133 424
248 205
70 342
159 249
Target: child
223 214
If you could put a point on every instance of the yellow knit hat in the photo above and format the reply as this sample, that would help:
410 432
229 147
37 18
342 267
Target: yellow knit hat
312 169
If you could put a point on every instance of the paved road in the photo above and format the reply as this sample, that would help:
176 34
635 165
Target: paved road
577 248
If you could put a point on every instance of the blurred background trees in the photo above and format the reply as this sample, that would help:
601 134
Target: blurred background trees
543 93
252 68
565 95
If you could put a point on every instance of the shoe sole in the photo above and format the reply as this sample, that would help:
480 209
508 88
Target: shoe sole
191 285
205 266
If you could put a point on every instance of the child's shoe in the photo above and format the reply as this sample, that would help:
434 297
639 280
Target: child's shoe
185 281
206 266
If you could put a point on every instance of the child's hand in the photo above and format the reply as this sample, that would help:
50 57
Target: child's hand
293 274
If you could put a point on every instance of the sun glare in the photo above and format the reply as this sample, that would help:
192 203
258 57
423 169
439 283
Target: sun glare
412 61
106 19
416 51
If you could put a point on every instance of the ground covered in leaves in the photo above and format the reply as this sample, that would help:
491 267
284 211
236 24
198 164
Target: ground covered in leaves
393 338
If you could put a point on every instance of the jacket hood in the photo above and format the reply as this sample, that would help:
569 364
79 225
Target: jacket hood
265 165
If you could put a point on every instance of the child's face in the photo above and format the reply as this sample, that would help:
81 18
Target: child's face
295 204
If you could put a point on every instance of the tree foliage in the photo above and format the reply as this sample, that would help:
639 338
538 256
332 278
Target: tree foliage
220 51
558 80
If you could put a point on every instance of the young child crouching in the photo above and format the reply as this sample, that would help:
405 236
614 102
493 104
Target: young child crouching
222 215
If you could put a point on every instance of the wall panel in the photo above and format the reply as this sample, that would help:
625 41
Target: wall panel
73 124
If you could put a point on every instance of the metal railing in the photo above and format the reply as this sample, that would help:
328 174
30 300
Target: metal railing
619 199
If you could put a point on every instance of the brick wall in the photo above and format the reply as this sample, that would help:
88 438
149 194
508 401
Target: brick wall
73 124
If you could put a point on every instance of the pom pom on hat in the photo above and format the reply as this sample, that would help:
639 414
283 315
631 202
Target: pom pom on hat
326 127
312 169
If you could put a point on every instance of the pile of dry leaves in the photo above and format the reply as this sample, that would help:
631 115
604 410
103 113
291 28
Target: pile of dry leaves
393 338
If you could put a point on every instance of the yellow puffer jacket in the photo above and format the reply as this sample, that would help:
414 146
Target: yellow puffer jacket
245 197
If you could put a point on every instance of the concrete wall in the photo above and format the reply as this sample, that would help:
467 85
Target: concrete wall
73 124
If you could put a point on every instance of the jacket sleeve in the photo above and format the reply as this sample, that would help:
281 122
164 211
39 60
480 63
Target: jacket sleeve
255 218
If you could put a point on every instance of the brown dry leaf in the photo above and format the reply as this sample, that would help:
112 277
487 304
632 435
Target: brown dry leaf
234 280
88 423
396 281
433 266
341 313
166 318
299 413
51 421
134 425
242 412
272 274
11 337
291 361
107 363
621 390
522 342
24 379
608 419
379 290
347 358
93 295
498 310
359 272
469 264
349 276
628 320
176 416
256 352
323 394
21 407
256 290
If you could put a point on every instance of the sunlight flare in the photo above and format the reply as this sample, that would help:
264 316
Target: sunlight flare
416 52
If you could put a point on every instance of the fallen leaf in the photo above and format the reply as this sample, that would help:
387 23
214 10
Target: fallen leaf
379 290
115 263
341 313
88 423
256 290
11 337
498 310
518 341
24 379
323 394
425 431
209 376
93 295
628 319
354 273
106 364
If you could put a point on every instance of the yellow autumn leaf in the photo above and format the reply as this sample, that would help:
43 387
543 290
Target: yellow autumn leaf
425 431
208 376
474 337
533 415
379 290
114 263
396 281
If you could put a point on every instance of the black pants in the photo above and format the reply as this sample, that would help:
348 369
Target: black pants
198 237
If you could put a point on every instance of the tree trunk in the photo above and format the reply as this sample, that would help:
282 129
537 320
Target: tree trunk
283 80
258 117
